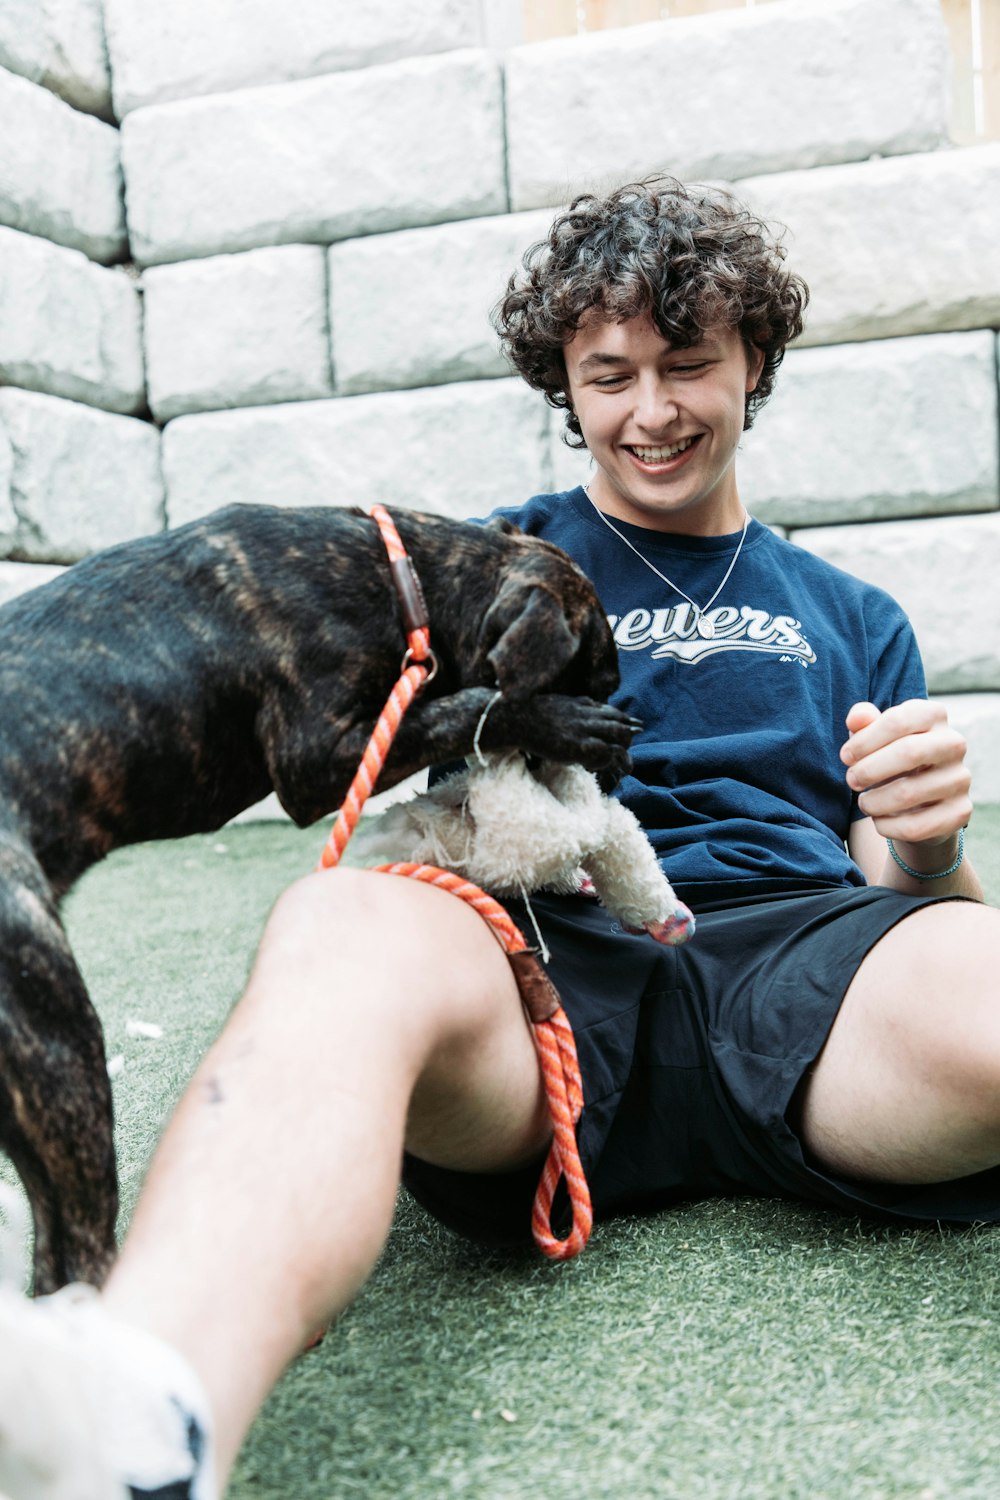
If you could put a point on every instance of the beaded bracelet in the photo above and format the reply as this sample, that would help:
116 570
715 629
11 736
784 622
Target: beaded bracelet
938 874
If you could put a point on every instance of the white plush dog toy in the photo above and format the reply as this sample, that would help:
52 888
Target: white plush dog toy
513 831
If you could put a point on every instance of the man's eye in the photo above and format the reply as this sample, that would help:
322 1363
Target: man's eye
691 369
606 381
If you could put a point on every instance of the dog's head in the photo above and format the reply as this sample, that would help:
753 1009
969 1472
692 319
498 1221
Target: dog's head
546 630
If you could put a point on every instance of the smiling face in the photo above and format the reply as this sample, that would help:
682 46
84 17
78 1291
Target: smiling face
662 424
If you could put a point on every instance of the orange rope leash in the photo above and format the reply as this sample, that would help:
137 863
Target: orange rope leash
414 675
361 788
553 1036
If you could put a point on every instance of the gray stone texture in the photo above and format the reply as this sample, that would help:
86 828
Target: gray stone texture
60 171
867 432
17 578
73 479
187 47
904 245
8 515
414 142
237 330
459 450
60 44
944 574
70 328
569 466
412 308
977 717
766 89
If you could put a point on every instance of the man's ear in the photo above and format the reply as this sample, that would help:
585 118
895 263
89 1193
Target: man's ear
755 363
526 639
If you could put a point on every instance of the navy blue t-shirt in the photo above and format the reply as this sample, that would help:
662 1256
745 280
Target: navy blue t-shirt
736 776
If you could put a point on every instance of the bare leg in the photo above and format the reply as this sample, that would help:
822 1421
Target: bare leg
907 1088
379 1010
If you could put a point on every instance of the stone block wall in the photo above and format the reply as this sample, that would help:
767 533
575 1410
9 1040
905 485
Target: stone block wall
247 260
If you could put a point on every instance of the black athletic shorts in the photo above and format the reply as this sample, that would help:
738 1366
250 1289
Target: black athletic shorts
691 1058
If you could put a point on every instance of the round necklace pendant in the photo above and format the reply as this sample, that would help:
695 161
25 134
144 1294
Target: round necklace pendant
705 628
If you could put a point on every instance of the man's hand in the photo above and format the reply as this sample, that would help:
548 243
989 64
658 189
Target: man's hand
908 764
908 767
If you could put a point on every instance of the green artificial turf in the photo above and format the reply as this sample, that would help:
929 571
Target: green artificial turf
734 1348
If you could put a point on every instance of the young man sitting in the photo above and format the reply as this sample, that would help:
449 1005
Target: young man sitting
831 1032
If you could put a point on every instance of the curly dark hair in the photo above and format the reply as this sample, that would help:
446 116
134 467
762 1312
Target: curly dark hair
691 256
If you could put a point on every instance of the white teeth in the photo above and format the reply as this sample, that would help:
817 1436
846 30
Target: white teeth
660 455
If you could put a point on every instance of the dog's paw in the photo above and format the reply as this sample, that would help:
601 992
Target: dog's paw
594 735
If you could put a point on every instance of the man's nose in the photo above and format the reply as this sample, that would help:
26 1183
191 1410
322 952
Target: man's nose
656 407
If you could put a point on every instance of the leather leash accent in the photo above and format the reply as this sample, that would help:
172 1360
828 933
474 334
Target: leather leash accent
551 1030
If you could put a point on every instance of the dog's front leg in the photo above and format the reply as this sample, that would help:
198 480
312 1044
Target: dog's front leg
550 725
55 1095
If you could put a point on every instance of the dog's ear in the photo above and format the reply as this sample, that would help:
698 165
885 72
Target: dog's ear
526 639
501 523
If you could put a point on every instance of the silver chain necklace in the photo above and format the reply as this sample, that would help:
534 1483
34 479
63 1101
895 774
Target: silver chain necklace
703 625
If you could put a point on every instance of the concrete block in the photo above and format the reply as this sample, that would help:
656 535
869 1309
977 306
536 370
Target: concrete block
317 161
69 327
60 171
237 330
765 89
60 44
864 432
904 245
569 466
943 572
77 479
977 716
187 47
17 578
458 449
412 308
8 515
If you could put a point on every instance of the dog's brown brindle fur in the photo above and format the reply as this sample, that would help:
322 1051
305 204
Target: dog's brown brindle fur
160 687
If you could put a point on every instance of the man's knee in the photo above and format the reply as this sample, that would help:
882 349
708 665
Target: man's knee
946 996
430 975
341 901
907 1087
332 915
389 942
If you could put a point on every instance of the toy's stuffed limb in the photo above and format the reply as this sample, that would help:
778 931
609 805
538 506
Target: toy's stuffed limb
628 880
619 861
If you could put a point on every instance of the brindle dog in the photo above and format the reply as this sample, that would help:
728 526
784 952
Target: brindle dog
158 688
